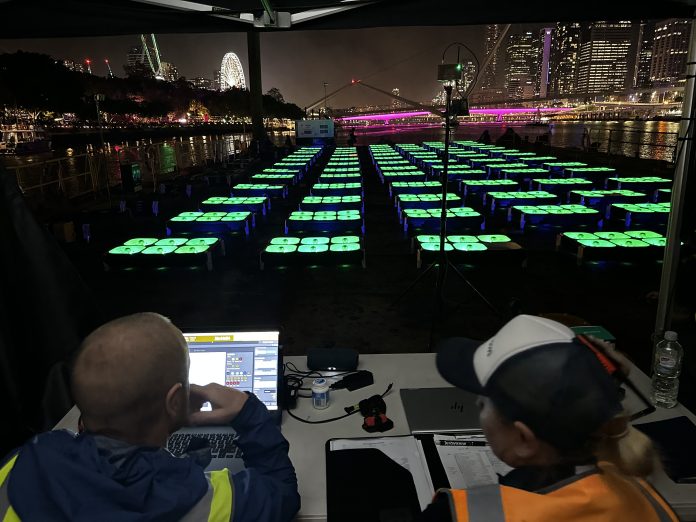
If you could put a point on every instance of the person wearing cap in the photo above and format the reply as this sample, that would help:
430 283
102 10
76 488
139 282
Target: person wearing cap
550 407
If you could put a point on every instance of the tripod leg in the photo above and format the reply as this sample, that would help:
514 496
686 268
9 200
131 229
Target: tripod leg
476 291
412 285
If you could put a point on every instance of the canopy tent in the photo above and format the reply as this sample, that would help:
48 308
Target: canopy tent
73 18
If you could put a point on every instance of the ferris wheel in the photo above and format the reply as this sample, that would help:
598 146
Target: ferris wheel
231 73
151 55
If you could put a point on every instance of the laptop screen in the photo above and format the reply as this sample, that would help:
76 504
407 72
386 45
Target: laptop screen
247 361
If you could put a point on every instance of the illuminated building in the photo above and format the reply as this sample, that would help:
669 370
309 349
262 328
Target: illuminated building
231 73
168 72
490 74
607 54
135 55
74 66
543 49
646 42
521 58
202 83
565 50
668 63
216 80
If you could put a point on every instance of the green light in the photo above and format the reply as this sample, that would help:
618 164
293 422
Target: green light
470 247
285 241
191 249
141 241
434 247
598 243
462 239
280 249
579 235
208 218
313 248
345 247
230 217
202 241
630 243
643 234
427 238
343 240
315 241
494 238
214 214
191 214
611 235
184 219
164 249
171 241
656 241
126 250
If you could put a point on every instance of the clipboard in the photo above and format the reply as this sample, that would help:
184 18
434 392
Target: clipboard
367 485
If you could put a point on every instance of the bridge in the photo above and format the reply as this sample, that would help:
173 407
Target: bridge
575 106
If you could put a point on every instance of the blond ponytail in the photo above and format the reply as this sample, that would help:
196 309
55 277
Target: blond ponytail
630 450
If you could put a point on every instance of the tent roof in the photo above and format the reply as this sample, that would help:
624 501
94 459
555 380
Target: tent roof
73 18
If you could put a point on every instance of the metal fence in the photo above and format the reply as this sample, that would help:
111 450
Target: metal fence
80 174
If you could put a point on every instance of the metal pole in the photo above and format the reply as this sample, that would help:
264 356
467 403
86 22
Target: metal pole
254 51
671 260
325 84
442 269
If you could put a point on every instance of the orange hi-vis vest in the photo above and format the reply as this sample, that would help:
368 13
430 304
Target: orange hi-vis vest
600 495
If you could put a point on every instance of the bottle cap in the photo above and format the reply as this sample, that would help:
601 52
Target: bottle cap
671 336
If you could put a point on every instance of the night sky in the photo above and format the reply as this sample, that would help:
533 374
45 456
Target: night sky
296 62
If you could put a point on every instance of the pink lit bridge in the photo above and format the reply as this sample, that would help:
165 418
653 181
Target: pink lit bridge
499 113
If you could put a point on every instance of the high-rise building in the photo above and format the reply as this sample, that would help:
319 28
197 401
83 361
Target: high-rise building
668 63
521 57
168 72
490 73
543 49
607 56
202 83
216 80
135 55
646 41
565 54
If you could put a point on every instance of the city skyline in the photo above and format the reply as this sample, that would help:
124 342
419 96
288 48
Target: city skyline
298 64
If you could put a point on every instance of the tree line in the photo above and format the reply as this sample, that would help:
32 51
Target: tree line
41 84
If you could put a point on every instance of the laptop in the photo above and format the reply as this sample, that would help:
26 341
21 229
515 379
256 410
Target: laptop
246 360
440 410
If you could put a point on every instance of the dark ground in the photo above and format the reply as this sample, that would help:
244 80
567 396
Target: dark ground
326 307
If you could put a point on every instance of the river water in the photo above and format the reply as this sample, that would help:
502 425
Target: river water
643 139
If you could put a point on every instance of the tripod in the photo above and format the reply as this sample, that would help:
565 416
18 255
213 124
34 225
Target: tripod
443 263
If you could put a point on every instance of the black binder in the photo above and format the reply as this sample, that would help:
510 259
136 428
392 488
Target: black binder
367 486
676 443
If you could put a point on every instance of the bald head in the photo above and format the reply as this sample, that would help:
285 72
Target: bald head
124 372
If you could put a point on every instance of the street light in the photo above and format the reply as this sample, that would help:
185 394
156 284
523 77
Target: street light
325 84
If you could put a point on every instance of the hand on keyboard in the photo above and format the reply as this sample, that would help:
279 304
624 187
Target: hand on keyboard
226 403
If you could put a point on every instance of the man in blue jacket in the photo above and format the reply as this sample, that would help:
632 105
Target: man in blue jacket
130 382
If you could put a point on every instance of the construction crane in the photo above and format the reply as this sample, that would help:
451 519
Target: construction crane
108 66
88 63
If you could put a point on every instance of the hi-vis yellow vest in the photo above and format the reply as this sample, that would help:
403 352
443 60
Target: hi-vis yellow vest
603 496
215 506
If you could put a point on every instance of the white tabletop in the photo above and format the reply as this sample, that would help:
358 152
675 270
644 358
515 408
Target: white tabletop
412 370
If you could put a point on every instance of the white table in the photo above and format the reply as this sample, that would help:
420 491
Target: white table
412 370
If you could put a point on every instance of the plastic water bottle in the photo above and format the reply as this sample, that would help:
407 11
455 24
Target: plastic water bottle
666 369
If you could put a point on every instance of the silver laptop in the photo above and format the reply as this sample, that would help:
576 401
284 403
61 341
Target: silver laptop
440 410
246 360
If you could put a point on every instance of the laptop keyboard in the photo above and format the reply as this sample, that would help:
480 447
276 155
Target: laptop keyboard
222 445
